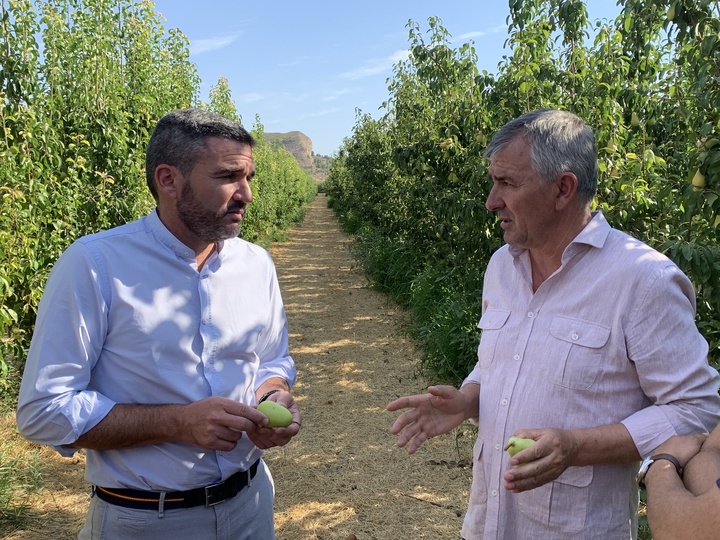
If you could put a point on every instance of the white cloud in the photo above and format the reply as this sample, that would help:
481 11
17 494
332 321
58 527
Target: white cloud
199 46
336 95
482 33
376 67
250 97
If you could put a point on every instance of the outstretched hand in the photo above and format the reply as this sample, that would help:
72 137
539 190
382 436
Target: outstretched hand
440 410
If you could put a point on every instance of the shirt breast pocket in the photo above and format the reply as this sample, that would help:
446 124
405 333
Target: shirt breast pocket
490 324
577 349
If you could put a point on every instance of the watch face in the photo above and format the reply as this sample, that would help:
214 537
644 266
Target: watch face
643 468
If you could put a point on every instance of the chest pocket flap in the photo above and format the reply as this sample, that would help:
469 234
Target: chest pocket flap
493 319
578 332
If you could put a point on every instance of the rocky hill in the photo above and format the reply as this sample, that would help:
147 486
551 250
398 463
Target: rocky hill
300 146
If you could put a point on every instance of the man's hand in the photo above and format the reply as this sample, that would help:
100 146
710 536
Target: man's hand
217 423
553 452
440 410
682 447
270 437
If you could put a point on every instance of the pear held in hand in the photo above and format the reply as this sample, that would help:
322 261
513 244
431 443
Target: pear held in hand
278 416
515 444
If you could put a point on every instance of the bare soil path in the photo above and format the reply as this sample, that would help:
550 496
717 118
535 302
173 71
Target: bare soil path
342 475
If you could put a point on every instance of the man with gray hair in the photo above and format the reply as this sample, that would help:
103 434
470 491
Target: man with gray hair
155 341
588 347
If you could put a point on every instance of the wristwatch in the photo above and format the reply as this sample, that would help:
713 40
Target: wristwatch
652 459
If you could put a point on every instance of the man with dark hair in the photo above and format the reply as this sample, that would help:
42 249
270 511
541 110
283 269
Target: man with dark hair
589 347
153 344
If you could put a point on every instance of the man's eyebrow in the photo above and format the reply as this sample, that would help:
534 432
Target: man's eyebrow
232 169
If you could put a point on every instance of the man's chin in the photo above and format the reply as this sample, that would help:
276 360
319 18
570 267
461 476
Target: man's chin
224 233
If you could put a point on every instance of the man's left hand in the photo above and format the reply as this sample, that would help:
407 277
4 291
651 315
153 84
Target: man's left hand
553 452
265 438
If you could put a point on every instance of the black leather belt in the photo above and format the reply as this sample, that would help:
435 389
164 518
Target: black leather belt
207 496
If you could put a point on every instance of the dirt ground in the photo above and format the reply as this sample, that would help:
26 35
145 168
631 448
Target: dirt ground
342 475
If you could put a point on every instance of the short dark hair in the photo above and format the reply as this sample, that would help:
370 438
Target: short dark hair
560 142
181 136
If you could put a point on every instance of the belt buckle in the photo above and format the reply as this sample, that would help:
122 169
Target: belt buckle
208 495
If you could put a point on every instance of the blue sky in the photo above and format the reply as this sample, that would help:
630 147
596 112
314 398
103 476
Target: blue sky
308 66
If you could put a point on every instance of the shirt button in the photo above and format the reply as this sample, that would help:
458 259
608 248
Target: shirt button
516 357
503 401
531 314
497 447
494 493
574 337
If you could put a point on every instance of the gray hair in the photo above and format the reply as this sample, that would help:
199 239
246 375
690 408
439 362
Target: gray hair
560 142
180 137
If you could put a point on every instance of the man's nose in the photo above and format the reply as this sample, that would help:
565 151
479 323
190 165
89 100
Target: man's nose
493 202
243 192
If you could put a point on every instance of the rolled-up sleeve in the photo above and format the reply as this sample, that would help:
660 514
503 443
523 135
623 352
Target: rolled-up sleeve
273 347
671 362
54 406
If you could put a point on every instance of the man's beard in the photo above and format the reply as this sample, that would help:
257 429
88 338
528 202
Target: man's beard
204 223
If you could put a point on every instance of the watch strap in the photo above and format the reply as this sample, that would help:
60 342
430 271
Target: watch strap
267 395
672 459
657 457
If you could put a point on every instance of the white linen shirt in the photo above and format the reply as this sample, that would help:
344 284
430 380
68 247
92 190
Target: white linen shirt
609 338
127 318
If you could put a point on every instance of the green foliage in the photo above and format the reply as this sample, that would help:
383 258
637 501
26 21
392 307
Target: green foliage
412 184
74 124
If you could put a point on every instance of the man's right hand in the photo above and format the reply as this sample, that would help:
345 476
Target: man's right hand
217 423
440 410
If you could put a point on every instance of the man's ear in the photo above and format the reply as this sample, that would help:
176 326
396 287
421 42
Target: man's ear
168 181
567 190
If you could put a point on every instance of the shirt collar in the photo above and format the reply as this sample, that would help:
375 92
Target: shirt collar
163 234
165 237
593 234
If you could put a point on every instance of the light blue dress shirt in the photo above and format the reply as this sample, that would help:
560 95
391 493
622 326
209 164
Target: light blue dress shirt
126 317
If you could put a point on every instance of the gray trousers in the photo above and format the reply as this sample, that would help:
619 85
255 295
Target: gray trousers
247 516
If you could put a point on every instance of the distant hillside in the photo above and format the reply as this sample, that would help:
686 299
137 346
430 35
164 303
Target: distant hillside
300 146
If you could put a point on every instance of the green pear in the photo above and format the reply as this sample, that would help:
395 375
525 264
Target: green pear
698 180
515 444
278 416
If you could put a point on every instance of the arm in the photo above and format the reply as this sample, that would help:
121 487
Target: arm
674 373
54 405
673 510
556 449
703 470
440 410
214 423
276 371
276 367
